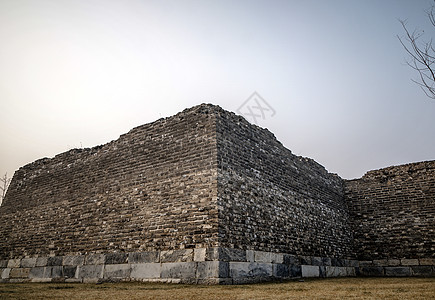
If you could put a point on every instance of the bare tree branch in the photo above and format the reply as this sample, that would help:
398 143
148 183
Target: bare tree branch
431 15
422 55
4 184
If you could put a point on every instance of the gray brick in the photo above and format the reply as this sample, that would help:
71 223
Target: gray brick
316 261
41 261
366 263
305 260
291 260
70 271
280 270
331 271
54 261
409 262
310 271
14 263
77 260
295 271
212 269
4 263
397 271
184 270
19 273
326 261
250 255
145 270
226 254
184 255
90 271
393 262
116 258
53 272
144 257
371 271
427 261
95 259
262 257
117 271
353 263
255 270
5 273
421 270
37 272
199 254
28 262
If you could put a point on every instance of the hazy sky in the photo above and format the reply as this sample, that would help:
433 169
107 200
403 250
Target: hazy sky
80 73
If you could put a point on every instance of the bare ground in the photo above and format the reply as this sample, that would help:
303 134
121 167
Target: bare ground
338 288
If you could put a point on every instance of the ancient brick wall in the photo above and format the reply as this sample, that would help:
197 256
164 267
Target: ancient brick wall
272 200
152 189
206 197
393 212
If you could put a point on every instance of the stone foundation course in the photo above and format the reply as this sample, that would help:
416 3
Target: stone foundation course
201 266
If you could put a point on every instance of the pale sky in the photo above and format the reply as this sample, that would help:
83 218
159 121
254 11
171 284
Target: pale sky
80 73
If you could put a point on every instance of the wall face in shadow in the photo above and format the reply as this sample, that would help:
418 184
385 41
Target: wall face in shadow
393 212
272 200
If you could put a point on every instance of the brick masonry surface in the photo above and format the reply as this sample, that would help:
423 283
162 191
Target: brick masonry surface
272 200
206 197
152 189
393 212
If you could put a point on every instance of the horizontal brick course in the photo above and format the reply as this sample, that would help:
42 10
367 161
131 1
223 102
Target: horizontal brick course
152 189
393 213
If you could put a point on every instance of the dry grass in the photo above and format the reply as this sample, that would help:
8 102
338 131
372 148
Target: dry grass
343 288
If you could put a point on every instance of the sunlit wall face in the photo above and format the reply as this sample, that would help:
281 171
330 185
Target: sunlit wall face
80 73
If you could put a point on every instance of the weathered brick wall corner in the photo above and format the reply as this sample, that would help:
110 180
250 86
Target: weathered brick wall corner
206 197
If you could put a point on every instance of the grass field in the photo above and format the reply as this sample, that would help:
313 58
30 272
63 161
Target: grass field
340 288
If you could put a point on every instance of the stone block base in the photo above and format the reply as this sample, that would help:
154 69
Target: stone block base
200 266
